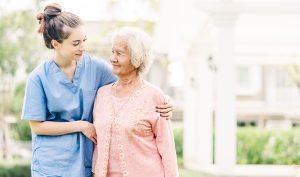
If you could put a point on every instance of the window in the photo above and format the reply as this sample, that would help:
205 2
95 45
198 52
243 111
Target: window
249 80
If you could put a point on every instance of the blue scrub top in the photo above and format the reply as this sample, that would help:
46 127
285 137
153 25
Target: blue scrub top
51 96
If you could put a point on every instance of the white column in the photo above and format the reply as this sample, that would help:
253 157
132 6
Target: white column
225 120
204 114
198 109
190 114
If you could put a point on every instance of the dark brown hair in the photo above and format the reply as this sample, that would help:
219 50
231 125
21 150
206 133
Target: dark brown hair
54 24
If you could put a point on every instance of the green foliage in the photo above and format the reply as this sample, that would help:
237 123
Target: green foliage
178 136
18 40
7 47
251 143
259 146
15 171
16 100
294 73
21 131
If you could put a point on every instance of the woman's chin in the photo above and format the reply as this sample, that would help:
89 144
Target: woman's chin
78 57
115 72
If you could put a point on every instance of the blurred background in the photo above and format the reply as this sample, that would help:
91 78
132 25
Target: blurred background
231 67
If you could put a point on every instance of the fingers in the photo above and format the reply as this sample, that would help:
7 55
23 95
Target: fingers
91 134
163 111
164 106
166 115
93 139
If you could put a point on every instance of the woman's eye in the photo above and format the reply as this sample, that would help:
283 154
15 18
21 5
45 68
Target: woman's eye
75 44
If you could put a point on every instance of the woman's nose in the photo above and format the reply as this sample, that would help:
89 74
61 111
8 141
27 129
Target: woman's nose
82 47
113 58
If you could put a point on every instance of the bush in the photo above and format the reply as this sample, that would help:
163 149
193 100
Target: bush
15 171
258 146
16 101
21 131
178 137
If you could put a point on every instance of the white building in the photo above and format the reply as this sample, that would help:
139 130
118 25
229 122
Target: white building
233 53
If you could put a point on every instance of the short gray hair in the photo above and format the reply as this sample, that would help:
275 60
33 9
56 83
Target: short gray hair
139 46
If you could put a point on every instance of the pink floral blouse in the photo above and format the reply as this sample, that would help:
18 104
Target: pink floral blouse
142 142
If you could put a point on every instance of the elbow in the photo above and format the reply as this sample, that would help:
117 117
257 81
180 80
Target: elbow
35 131
36 127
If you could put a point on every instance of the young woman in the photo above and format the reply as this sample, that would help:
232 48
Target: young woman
59 98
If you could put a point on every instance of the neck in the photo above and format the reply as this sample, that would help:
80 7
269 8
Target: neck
126 85
128 79
62 62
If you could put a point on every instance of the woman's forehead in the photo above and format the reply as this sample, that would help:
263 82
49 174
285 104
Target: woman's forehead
120 44
77 33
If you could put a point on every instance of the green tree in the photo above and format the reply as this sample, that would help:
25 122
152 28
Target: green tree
18 48
294 72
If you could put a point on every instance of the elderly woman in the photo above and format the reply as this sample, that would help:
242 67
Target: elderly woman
133 141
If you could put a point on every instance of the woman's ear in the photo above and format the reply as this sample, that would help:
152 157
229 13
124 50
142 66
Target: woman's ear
55 44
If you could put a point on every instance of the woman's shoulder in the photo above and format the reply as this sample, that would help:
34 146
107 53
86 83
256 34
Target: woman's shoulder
41 70
104 89
151 88
154 92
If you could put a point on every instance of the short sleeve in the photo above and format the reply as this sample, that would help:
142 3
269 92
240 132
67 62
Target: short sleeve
34 105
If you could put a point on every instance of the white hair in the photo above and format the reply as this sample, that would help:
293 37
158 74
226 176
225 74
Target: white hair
138 45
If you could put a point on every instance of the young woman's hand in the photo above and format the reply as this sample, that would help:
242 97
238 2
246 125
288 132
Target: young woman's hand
165 109
88 129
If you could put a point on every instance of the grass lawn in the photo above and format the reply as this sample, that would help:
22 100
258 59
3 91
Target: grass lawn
19 162
190 173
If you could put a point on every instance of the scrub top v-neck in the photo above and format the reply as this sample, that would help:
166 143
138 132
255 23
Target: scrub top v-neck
51 96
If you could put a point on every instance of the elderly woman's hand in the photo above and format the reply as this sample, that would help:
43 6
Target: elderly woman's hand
165 109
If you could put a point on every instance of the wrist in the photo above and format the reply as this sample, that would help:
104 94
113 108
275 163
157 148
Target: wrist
81 125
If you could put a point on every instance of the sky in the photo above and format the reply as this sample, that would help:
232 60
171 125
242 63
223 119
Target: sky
263 34
93 10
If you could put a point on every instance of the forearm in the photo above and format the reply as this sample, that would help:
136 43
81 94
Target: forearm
166 147
169 161
56 128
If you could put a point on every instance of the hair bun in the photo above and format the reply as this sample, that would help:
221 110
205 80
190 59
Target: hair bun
40 18
52 10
